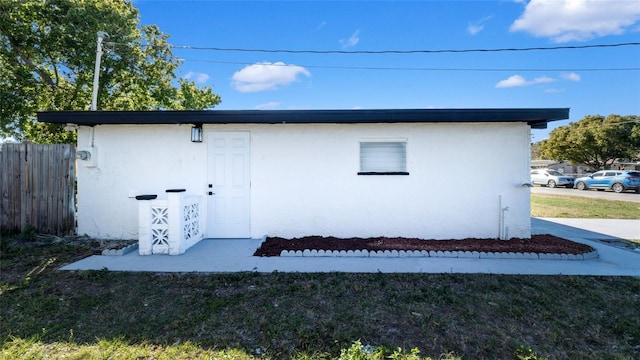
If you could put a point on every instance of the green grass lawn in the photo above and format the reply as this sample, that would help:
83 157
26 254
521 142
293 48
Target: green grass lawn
45 313
581 207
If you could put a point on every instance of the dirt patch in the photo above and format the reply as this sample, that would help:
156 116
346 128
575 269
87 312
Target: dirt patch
539 244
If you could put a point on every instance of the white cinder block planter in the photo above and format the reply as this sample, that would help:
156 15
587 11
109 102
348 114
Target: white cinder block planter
169 226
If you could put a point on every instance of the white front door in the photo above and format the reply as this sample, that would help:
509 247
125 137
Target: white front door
229 185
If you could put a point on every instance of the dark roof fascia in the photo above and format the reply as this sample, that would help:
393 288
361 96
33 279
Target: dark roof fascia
536 117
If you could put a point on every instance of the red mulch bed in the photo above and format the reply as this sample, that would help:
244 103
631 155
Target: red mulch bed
538 244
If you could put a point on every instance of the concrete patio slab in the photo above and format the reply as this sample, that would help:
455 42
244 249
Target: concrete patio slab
235 255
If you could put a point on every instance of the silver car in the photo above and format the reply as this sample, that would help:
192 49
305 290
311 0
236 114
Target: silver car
550 178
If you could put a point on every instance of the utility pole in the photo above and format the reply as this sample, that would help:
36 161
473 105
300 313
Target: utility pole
96 74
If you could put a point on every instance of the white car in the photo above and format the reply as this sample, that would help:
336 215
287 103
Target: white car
550 178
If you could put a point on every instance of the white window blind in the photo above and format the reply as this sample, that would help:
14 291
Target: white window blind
383 157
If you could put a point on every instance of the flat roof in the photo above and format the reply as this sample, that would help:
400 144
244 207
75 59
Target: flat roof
537 118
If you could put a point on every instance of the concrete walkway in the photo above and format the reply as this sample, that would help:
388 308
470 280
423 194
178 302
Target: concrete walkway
235 255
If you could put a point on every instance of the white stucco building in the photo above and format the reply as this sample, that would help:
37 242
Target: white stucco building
430 174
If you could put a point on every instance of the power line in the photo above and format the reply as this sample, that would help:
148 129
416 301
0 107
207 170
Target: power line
573 47
552 48
419 68
405 51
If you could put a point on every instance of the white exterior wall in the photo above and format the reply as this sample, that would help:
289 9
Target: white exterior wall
133 160
304 179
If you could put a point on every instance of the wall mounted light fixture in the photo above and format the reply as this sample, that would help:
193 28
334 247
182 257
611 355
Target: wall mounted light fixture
196 133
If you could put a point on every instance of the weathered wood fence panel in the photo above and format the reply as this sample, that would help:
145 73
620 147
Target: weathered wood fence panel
37 188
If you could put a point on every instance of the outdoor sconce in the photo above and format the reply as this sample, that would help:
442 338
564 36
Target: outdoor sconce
196 133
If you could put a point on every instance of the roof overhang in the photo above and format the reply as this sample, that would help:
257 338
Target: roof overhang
537 118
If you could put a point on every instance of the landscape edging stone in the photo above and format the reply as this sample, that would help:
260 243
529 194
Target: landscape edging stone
437 254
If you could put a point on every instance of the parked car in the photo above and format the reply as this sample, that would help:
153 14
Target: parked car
550 178
616 180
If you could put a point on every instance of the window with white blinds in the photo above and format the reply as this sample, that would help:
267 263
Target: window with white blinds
383 158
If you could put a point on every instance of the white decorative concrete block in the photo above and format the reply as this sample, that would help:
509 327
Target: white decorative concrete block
322 253
313 252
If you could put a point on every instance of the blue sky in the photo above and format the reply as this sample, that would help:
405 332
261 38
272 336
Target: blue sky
284 80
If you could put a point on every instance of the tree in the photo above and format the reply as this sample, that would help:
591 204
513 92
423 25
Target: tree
595 141
47 59
535 151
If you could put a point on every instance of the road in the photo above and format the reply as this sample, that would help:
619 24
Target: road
607 195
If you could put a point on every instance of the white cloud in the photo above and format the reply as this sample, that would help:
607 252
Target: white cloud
353 40
542 80
269 105
322 24
518 81
512 81
198 78
266 76
553 91
577 20
571 77
476 26
474 29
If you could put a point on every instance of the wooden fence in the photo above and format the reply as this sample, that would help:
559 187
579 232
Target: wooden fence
37 188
